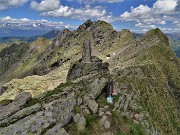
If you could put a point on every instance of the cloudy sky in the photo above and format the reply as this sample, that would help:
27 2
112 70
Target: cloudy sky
136 15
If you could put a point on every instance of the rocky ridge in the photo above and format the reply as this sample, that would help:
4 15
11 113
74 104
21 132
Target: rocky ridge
145 72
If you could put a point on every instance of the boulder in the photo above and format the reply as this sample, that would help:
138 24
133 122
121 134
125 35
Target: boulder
80 121
107 124
103 119
93 106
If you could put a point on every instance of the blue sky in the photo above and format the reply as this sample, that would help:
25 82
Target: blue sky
136 15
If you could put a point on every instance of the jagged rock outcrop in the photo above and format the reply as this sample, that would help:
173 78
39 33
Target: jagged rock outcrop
61 37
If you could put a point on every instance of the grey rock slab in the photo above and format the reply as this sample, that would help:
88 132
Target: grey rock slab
15 106
21 114
57 111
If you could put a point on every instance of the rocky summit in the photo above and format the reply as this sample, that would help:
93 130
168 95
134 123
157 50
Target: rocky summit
61 87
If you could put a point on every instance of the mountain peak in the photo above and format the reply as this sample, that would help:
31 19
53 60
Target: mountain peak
85 25
158 33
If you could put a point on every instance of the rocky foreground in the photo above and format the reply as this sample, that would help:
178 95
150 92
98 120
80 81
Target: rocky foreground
60 93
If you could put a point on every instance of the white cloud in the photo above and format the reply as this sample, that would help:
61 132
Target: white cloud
108 18
142 25
96 1
163 12
152 20
4 4
164 6
81 13
57 10
45 5
177 23
143 11
138 12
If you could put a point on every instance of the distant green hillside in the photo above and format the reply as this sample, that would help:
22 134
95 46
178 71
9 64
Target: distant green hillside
50 35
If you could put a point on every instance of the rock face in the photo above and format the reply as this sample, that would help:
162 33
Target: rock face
78 69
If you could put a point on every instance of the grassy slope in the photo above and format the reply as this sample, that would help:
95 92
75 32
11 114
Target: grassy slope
160 101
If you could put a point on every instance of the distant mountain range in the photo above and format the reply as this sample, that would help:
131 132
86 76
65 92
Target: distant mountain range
49 35
21 30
